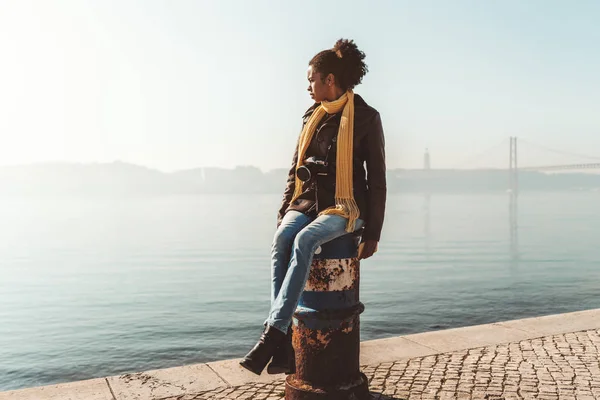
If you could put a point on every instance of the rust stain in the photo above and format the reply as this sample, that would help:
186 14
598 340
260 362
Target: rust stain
323 338
332 275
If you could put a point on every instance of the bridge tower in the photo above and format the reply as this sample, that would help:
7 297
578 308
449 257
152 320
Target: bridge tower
426 160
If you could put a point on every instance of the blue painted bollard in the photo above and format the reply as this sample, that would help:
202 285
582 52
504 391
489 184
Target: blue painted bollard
326 331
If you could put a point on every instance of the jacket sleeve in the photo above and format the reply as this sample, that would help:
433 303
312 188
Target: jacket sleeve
290 186
376 179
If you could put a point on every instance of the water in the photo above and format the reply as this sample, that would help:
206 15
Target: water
98 287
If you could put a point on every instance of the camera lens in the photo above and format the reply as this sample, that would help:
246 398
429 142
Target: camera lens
303 173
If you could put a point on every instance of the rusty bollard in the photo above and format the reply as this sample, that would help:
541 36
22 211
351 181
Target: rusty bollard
326 331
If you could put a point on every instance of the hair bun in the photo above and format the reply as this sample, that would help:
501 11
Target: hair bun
344 48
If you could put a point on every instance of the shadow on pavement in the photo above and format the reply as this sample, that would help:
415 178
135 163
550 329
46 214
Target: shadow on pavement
379 396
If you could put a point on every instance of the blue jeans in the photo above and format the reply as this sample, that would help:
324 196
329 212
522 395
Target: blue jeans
294 245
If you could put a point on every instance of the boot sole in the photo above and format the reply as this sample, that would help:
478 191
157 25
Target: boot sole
251 368
277 370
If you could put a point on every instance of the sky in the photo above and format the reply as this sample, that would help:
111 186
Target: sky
184 84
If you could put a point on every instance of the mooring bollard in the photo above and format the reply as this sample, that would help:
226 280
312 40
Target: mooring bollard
326 330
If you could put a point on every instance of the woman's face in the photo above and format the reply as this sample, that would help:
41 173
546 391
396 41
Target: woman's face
318 89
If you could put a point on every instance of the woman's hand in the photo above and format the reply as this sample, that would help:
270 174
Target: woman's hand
367 249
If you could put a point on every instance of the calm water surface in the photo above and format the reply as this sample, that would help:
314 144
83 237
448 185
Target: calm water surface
98 287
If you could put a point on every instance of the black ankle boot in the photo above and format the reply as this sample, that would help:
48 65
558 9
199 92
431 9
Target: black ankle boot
284 358
258 358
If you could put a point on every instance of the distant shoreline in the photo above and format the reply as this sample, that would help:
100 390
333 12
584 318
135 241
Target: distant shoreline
129 179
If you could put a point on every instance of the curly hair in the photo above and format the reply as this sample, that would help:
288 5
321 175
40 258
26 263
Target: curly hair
345 61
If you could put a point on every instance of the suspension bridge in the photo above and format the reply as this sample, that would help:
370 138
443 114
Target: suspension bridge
570 160
494 158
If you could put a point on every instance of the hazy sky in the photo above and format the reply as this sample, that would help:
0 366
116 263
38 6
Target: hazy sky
183 84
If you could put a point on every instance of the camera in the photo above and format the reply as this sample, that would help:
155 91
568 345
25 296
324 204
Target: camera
312 166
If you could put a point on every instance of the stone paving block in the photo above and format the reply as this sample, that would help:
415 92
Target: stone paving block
391 349
92 389
557 324
232 372
468 337
157 384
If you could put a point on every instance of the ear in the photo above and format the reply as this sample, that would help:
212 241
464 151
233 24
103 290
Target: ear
330 80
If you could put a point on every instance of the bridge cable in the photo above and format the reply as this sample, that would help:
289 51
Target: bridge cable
558 151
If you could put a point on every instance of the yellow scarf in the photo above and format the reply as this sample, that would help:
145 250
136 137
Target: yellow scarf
345 205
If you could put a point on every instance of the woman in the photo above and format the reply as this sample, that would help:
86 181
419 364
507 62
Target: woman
328 193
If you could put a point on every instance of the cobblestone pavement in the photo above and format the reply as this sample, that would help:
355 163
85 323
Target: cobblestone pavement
554 367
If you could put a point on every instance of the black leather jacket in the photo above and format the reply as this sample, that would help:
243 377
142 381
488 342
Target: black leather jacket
369 185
